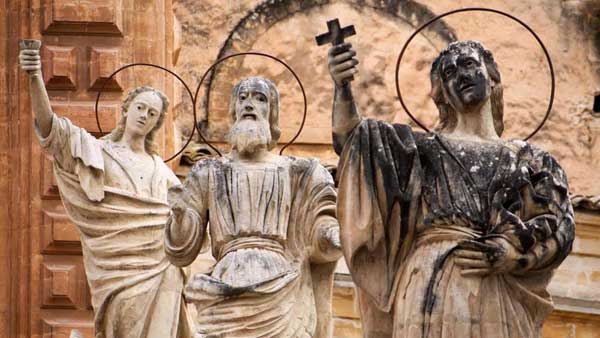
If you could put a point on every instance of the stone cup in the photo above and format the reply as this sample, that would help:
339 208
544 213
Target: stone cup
30 44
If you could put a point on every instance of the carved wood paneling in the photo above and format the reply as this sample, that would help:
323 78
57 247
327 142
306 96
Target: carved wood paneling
104 61
58 234
83 115
60 67
49 189
82 17
59 329
63 283
56 297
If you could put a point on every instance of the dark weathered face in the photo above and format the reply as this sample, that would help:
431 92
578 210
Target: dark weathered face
465 79
252 101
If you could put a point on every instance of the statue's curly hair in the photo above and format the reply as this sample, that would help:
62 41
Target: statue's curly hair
149 145
447 114
273 104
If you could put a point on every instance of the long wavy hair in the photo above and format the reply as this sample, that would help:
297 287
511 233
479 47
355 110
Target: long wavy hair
447 114
273 106
149 144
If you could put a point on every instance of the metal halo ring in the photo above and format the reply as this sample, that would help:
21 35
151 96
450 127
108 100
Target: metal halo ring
482 9
267 56
166 70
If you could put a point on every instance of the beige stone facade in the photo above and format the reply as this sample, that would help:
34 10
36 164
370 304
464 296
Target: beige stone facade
42 284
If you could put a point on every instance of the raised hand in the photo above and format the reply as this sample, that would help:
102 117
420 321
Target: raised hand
342 63
29 60
29 57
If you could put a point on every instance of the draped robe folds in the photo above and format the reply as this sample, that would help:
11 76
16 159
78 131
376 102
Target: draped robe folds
407 199
136 292
272 277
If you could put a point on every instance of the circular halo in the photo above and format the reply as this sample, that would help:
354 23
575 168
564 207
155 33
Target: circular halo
166 70
219 61
481 9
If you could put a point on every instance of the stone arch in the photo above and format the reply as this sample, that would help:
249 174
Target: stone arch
270 12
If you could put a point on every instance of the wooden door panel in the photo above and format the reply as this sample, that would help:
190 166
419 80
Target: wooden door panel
81 48
60 67
60 324
82 114
63 283
59 236
83 17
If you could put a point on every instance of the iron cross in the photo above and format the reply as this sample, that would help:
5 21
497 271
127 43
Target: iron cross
335 35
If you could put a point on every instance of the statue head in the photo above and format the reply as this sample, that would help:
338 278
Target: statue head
142 114
463 78
254 107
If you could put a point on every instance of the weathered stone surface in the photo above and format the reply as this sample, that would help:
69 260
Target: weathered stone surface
566 27
115 191
215 29
273 231
448 225
141 31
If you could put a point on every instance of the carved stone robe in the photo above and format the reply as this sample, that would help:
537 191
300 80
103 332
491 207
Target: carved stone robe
407 199
272 278
136 292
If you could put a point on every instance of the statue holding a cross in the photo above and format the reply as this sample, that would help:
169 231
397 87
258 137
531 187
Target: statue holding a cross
450 233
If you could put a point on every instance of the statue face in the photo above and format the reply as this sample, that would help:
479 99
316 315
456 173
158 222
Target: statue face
465 80
251 130
143 113
252 101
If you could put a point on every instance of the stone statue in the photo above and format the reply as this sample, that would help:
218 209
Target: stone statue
115 190
273 230
453 233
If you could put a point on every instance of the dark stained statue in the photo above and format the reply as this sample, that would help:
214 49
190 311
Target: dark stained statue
453 233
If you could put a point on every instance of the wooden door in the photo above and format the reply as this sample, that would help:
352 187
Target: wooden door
83 41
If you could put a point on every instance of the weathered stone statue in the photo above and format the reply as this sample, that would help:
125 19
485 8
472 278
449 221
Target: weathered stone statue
453 233
115 190
273 230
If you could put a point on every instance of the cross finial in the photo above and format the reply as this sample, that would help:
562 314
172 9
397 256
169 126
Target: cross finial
335 35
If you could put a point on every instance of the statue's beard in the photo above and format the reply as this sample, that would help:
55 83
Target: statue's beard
247 136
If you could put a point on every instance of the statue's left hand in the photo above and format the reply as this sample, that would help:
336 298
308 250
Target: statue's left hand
494 256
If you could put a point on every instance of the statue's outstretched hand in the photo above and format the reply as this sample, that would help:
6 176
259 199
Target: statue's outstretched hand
178 207
342 63
494 256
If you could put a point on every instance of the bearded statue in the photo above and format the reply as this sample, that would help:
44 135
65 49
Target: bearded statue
273 230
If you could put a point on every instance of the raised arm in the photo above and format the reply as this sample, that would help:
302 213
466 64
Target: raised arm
29 59
342 67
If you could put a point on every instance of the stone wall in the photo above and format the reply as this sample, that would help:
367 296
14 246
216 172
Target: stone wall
286 29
